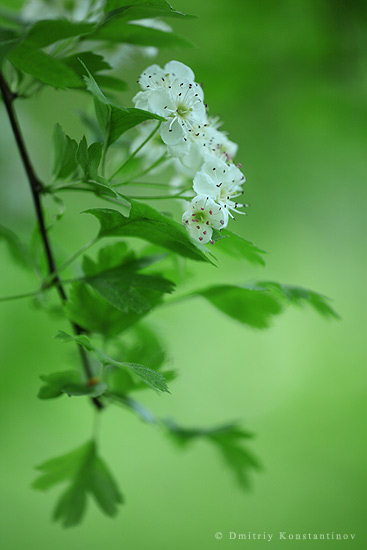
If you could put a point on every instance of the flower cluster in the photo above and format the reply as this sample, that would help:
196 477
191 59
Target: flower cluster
203 151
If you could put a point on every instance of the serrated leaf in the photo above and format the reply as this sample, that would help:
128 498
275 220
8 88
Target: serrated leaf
150 377
46 32
299 296
119 31
238 247
87 473
251 307
121 284
228 440
95 63
89 310
89 159
64 151
70 383
147 223
43 67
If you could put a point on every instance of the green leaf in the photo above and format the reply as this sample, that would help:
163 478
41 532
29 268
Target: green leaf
43 67
64 151
297 295
115 4
89 159
17 249
6 46
89 310
111 83
228 440
121 284
70 383
252 307
236 246
113 120
146 10
95 63
117 30
147 223
87 474
46 32
150 377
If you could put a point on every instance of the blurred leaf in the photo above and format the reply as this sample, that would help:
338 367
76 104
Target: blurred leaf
6 46
43 67
146 10
299 296
70 383
89 310
87 473
115 4
111 83
17 249
236 246
64 151
229 441
150 377
253 307
95 63
46 32
147 223
117 30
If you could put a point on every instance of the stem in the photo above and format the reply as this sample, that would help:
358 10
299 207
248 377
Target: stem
36 190
156 163
136 151
52 277
162 197
19 296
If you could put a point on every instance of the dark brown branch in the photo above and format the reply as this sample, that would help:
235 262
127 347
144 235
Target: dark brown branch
36 189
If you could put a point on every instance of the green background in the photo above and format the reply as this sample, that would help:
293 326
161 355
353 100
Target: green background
288 78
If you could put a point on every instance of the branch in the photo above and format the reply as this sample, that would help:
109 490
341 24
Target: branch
36 189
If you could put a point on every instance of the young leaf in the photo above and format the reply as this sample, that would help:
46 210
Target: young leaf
43 67
46 32
150 377
115 277
147 223
64 151
70 383
89 310
299 296
89 159
117 30
87 473
251 307
236 246
228 440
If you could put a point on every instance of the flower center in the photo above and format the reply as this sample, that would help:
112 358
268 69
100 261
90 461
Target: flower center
182 110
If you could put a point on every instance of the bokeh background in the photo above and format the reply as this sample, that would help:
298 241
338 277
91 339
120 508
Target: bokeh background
288 78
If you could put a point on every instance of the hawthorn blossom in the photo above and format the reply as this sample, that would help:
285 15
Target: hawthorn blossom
202 216
221 182
154 77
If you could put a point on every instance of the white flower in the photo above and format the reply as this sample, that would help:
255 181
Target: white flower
221 182
155 77
182 105
202 216
202 141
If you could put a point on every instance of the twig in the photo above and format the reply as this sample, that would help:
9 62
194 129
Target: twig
36 190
